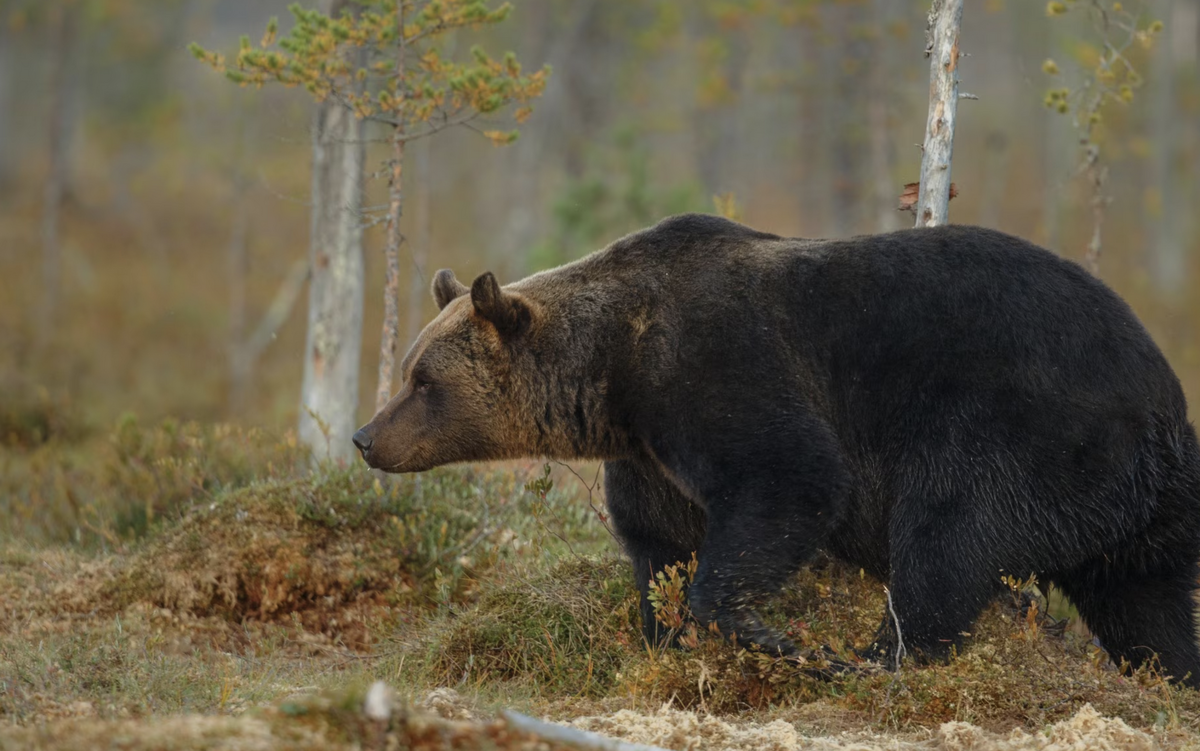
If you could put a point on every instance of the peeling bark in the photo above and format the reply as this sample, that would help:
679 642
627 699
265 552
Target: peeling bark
945 19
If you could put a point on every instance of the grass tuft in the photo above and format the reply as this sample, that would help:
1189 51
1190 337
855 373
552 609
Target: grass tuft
565 630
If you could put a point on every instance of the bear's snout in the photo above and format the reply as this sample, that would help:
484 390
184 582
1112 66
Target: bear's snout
363 440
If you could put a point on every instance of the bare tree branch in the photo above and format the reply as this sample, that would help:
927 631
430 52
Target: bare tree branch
573 737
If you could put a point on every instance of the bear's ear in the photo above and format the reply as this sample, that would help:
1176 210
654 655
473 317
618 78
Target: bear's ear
508 312
446 288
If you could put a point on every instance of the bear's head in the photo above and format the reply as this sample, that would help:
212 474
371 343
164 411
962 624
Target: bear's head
467 385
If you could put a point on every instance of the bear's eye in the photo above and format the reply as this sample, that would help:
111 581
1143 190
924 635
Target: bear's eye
420 383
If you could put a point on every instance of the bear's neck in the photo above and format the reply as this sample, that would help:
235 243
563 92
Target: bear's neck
582 359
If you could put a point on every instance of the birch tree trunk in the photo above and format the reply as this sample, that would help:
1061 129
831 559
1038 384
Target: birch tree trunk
58 145
933 202
329 394
391 251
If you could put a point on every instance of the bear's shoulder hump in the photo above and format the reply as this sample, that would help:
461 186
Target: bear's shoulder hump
705 225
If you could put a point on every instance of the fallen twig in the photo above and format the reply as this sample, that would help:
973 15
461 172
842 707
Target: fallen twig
573 737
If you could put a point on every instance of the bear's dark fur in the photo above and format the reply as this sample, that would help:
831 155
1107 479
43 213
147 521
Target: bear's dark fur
941 407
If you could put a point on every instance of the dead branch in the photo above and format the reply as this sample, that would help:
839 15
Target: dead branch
581 739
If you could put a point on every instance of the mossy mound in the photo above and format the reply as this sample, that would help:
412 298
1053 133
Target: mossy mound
566 630
333 552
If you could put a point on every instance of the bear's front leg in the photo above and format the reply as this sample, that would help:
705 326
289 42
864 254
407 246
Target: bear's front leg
770 508
657 524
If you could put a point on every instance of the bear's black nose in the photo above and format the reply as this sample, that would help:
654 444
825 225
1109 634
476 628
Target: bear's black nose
363 440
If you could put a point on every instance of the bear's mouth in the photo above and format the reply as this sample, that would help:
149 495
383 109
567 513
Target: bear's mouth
398 466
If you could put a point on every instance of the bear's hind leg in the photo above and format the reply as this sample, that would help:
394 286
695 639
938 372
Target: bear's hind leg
937 589
657 524
1138 616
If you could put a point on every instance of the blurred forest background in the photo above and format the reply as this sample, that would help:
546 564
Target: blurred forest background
165 546
180 201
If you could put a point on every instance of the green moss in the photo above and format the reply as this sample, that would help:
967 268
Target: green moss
567 629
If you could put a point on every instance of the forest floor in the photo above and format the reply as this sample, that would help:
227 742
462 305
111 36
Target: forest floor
190 587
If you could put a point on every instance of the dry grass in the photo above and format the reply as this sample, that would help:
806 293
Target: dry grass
260 592
241 593
342 720
327 722
112 486
567 630
1014 672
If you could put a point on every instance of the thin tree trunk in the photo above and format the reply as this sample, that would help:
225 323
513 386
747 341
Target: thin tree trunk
329 394
58 144
933 204
391 252
420 246
1168 260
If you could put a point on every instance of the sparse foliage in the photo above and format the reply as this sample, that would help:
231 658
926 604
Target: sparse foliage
406 80
385 63
668 595
1108 77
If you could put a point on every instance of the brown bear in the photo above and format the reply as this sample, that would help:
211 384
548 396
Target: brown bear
941 407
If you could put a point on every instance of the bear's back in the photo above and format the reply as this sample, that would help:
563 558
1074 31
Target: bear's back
964 308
